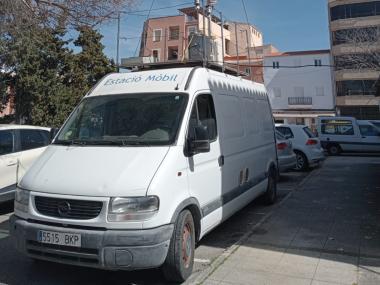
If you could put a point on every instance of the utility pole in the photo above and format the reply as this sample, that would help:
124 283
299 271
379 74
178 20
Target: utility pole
204 34
248 52
118 42
222 34
237 49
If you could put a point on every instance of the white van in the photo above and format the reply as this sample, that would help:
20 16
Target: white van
144 167
346 134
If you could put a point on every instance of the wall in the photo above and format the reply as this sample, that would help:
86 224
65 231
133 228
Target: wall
307 77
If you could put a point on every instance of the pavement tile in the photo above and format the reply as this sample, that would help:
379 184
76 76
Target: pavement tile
297 256
337 275
317 282
211 282
300 270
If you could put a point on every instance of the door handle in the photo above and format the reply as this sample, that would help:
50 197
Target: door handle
221 160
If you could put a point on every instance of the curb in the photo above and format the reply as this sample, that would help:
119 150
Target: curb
202 277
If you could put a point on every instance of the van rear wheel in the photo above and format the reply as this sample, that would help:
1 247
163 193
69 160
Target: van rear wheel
179 262
270 195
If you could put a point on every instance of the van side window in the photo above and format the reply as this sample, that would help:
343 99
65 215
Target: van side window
6 142
203 114
368 131
31 139
337 127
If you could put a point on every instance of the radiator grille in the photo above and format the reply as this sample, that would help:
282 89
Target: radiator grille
67 208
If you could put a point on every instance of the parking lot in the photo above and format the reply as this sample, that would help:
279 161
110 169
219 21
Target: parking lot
331 211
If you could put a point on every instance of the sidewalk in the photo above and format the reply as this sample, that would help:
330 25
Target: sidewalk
327 232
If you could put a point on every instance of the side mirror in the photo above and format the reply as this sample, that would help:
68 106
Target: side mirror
200 143
53 133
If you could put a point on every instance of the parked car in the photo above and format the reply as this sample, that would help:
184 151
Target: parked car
287 159
346 134
376 123
146 165
19 147
306 145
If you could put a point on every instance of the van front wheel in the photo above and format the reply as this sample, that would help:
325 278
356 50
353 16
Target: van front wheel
179 262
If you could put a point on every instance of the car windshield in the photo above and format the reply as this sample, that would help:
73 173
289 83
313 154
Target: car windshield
377 124
128 119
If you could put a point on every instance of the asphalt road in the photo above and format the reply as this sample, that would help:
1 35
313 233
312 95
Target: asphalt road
17 269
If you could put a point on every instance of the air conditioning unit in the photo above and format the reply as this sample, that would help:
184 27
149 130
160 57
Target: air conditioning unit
195 51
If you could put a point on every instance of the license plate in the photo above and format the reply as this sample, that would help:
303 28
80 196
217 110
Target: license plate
59 238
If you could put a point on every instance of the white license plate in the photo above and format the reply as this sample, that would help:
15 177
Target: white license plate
59 238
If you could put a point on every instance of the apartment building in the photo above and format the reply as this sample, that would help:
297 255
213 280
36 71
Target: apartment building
167 38
355 49
300 86
246 35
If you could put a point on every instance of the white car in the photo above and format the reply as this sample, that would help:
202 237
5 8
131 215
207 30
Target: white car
306 145
347 134
19 147
287 159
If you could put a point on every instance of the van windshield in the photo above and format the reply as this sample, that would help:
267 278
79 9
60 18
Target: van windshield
128 119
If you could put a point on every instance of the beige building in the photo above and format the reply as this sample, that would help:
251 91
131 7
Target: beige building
247 36
355 38
167 38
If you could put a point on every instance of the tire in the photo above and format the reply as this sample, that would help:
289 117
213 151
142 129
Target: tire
302 164
334 149
270 195
179 262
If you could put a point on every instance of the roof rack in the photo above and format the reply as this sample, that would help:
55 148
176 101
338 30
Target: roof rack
139 64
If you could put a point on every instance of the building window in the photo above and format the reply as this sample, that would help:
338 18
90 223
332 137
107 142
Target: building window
247 70
317 62
157 35
173 53
355 10
227 46
277 92
156 55
190 18
356 61
356 87
276 64
174 33
320 91
358 35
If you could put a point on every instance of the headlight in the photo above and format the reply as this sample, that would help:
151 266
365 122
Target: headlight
22 200
132 209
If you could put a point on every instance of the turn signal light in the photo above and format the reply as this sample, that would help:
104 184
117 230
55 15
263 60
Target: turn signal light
311 142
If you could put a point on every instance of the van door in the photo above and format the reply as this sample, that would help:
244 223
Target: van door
370 138
204 169
8 161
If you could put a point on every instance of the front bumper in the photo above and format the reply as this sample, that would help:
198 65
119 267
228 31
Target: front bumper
101 248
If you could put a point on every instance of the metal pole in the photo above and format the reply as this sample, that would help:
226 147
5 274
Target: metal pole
237 49
249 54
222 33
118 43
165 44
204 34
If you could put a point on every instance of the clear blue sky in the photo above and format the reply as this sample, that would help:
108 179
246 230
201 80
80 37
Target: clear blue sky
290 25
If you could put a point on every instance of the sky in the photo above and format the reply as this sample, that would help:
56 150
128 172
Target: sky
289 25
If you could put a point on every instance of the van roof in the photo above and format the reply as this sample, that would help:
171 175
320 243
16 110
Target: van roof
170 80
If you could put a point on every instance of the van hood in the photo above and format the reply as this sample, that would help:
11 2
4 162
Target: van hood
94 171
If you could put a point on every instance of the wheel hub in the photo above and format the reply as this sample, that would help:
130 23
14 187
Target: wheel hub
186 245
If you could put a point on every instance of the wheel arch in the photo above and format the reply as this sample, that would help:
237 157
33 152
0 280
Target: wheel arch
193 206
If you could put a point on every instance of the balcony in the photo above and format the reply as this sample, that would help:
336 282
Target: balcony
300 101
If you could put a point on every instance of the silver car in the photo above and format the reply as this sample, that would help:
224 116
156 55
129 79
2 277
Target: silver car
287 159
